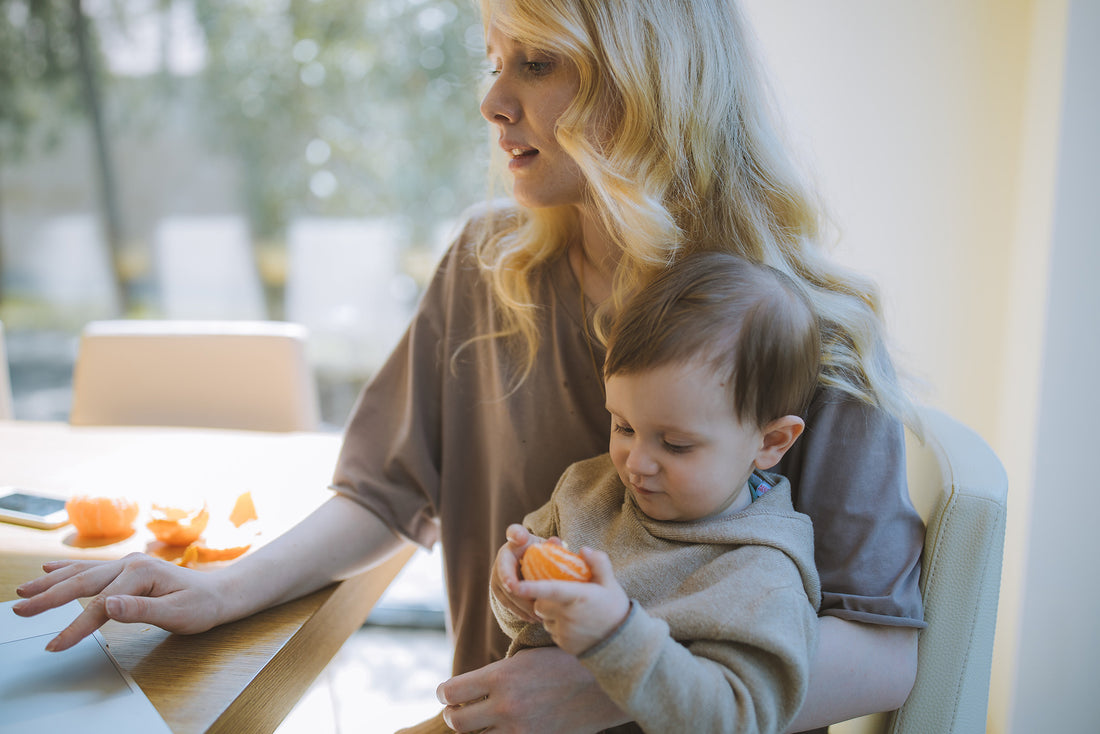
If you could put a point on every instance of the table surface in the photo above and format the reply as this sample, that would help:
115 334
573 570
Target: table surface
241 677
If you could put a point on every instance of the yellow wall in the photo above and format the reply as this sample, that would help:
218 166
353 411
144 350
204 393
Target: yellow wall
934 131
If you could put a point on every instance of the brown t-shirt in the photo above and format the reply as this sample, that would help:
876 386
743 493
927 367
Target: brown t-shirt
441 448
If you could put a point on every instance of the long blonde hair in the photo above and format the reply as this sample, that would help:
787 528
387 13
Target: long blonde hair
691 160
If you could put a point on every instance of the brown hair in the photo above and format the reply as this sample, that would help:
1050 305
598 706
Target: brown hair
750 322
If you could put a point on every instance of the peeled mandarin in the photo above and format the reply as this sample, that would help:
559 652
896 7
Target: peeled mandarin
178 525
550 561
102 517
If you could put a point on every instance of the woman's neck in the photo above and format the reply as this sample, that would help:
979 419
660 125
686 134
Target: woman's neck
594 259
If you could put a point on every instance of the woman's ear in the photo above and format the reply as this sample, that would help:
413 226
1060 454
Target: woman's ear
778 436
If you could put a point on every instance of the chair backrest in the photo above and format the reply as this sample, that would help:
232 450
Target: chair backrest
6 411
960 488
216 374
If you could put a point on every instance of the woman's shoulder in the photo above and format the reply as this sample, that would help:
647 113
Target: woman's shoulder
487 218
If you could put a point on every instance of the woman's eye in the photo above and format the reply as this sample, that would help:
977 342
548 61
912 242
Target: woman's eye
538 67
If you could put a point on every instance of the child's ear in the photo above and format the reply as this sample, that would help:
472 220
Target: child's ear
779 435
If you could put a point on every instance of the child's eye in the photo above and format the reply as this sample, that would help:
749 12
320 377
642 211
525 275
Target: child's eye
676 448
625 430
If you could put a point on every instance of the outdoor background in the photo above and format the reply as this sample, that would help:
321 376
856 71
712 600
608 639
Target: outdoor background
291 160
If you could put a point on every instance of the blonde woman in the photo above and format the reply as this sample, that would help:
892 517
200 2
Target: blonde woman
632 131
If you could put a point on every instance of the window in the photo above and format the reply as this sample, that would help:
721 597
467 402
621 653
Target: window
289 159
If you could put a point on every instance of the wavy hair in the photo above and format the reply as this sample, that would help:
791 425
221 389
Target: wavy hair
691 160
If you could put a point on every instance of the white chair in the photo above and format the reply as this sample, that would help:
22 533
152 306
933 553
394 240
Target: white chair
960 489
6 412
206 269
215 374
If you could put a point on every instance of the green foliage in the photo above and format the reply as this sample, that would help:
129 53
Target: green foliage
346 107
39 81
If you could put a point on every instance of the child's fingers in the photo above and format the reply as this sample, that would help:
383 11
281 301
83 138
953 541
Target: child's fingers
598 561
517 534
553 592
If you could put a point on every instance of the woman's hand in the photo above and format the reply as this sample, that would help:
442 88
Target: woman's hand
505 576
137 588
579 614
542 689
338 539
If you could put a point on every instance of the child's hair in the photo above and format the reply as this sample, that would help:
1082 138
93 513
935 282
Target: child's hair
750 323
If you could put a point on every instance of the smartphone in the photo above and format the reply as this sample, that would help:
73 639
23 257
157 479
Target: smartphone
33 509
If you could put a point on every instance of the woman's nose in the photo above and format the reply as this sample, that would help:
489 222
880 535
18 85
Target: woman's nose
499 105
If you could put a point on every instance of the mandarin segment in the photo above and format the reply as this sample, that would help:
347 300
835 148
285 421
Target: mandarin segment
102 517
550 561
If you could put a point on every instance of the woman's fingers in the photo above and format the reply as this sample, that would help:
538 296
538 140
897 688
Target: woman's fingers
468 687
137 588
66 582
55 572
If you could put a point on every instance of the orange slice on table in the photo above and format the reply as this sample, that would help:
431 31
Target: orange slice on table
102 517
550 561
178 525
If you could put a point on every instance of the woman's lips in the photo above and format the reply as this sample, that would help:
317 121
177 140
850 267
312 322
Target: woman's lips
521 155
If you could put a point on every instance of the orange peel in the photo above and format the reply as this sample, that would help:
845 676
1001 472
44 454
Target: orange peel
179 526
243 510
225 540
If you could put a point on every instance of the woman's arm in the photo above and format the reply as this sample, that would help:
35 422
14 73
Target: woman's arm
859 669
338 539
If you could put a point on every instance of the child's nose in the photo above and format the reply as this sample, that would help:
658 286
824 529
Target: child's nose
639 462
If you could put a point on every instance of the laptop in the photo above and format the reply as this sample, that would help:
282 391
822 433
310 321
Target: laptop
81 689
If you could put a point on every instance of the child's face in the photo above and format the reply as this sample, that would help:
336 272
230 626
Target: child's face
676 443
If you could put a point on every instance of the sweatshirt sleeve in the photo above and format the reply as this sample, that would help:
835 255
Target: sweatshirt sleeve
750 675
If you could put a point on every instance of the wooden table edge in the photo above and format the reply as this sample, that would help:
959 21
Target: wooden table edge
271 695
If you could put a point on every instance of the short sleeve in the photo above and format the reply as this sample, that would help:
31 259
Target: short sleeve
390 459
847 472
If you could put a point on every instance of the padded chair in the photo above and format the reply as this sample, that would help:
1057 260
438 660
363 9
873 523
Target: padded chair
960 489
6 412
215 374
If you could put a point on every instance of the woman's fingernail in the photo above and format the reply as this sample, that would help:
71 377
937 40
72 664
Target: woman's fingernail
51 646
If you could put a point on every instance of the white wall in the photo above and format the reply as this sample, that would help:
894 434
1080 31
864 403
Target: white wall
1058 650
957 144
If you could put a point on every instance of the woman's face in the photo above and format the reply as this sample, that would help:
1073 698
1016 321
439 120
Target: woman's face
531 88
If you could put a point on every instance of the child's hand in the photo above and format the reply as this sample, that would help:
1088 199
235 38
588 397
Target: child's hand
579 614
505 575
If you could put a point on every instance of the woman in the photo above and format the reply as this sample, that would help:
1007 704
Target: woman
634 131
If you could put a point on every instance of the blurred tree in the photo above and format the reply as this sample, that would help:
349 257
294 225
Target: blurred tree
346 107
49 72
353 108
